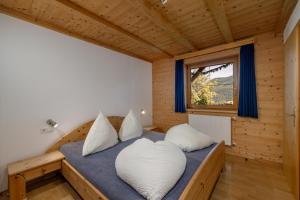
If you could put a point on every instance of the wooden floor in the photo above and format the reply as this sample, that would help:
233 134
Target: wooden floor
253 180
241 180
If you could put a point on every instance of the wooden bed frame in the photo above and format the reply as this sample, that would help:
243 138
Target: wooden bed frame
199 187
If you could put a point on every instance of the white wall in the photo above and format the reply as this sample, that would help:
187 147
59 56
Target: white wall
293 20
44 74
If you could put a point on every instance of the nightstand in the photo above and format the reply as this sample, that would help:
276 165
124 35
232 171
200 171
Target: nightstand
23 171
152 128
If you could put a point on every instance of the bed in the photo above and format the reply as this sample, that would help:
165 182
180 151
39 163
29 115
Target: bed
94 177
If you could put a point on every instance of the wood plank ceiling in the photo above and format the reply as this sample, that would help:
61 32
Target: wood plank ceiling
149 30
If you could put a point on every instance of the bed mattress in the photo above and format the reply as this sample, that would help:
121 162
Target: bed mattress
99 168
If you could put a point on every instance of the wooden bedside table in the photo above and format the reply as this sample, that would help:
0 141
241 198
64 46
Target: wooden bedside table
152 128
25 170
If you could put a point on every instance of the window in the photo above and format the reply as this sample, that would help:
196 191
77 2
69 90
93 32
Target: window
213 85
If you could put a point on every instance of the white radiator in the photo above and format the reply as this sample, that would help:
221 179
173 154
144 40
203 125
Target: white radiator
217 127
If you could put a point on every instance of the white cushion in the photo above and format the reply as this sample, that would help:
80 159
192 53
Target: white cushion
131 127
152 169
101 136
188 138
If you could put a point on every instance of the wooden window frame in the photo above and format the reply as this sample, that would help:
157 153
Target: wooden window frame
231 59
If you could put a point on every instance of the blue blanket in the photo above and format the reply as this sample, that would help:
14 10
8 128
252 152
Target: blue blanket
99 168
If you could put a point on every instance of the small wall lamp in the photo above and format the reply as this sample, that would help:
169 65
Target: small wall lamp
143 111
52 123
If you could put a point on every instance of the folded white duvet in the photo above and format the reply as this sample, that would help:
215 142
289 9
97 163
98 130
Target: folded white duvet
152 169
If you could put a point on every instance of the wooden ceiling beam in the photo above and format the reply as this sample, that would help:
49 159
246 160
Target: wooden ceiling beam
217 9
286 11
154 16
59 29
108 24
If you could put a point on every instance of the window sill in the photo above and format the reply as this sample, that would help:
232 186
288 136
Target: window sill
229 113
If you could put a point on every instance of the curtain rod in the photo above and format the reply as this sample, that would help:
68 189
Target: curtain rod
215 49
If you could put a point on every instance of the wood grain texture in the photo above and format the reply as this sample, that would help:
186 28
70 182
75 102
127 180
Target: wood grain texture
203 181
17 189
107 23
201 184
218 48
26 170
162 22
205 176
41 171
234 59
35 162
248 18
286 11
151 128
291 110
154 31
86 190
81 132
259 139
59 29
217 9
249 179
240 180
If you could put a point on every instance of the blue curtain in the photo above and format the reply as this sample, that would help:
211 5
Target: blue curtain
179 86
247 98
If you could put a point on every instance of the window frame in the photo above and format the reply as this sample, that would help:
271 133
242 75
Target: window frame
231 59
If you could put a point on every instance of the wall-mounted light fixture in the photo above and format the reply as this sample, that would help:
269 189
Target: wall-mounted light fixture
143 111
52 123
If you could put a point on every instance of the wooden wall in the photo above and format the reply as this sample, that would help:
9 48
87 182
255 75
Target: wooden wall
259 139
291 99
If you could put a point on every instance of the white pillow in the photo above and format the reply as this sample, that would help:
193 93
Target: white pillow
152 169
188 138
131 127
102 135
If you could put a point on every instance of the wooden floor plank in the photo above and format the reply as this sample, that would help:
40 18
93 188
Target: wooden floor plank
241 179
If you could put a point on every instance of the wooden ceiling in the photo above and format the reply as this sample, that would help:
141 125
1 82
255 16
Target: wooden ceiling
149 30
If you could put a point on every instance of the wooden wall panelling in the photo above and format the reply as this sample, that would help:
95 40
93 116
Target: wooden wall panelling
267 143
247 18
163 89
72 33
218 48
53 15
193 19
208 57
291 110
218 11
162 22
286 11
107 23
136 22
148 29
297 191
259 139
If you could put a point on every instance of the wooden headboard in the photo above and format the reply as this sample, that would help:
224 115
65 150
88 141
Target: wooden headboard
81 132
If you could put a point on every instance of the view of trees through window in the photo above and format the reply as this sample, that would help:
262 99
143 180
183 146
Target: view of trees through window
212 85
